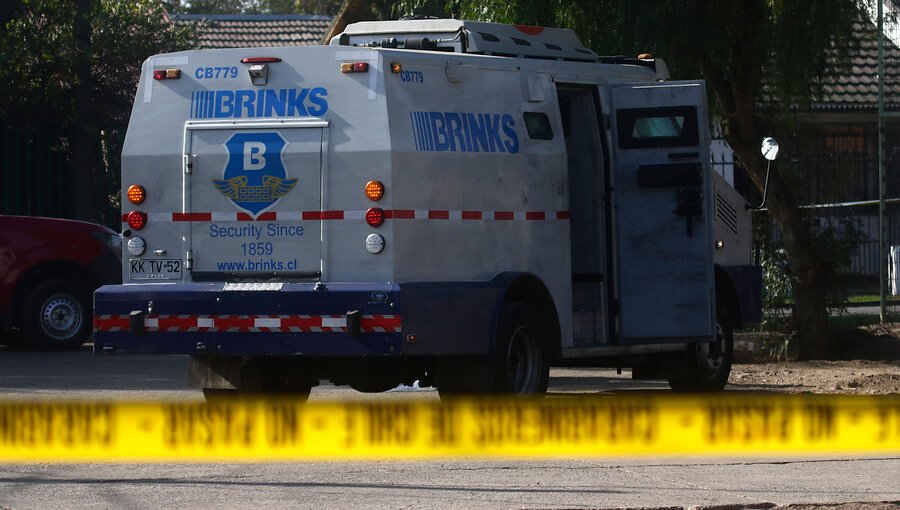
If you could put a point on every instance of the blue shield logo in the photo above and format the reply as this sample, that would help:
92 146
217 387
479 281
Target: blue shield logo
255 178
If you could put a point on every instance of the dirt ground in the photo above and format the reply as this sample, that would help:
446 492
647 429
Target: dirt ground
868 364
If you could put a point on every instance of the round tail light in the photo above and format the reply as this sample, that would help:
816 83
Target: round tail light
374 190
375 216
136 194
137 219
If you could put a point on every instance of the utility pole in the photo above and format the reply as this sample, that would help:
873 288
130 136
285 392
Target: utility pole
881 178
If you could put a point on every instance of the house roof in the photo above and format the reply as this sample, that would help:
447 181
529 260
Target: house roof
856 89
255 30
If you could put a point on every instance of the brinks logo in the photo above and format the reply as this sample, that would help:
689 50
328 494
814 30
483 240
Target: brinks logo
236 104
464 132
255 178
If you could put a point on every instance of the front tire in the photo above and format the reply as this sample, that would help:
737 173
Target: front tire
707 366
57 315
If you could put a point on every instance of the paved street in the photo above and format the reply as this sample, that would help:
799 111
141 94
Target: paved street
552 483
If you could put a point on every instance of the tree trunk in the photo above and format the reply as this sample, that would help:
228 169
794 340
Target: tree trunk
84 137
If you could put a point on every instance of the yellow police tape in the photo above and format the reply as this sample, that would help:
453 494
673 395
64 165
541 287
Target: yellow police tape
279 430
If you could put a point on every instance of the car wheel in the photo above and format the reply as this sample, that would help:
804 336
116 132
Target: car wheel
57 315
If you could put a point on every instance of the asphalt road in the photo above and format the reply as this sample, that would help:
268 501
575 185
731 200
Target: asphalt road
553 483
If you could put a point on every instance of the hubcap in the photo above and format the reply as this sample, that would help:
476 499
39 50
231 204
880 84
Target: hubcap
523 360
61 317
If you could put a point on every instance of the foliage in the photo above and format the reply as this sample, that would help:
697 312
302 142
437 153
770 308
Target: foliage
36 73
69 69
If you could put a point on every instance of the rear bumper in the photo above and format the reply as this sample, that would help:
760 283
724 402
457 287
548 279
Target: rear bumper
296 319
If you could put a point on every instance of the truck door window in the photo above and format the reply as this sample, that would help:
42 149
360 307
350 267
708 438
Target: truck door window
538 125
643 128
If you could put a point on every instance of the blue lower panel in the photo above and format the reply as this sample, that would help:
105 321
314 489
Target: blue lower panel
747 282
206 319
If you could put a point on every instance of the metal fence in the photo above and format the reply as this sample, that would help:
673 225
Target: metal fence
834 172
38 177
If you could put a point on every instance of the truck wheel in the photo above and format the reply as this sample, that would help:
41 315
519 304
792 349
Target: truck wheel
219 394
373 385
261 377
57 315
521 364
272 376
706 366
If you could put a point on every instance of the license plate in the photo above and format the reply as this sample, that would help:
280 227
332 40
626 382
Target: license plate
155 269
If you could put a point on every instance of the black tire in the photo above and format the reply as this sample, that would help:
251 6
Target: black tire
219 394
707 366
522 366
57 315
373 385
261 377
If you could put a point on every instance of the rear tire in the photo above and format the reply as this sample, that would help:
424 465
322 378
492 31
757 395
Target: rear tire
264 377
373 385
522 365
707 366
57 315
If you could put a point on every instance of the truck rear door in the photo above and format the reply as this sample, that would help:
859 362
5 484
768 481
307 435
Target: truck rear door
665 284
253 197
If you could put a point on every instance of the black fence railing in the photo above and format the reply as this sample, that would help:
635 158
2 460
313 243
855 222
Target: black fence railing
834 171
38 177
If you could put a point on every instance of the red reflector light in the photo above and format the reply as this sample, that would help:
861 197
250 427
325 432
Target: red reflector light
137 219
375 217
355 67
260 60
166 74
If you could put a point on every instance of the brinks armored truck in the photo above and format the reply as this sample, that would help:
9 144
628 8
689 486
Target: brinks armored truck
457 203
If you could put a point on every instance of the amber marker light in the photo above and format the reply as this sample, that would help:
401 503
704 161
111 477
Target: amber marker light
136 194
396 67
374 190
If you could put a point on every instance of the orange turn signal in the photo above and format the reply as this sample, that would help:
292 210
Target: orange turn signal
374 190
136 194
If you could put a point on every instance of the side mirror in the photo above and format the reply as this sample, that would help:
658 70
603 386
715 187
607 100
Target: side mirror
769 148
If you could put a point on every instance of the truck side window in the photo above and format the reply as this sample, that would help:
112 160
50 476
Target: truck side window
643 128
538 125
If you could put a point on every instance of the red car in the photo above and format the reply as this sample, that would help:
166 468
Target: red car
49 269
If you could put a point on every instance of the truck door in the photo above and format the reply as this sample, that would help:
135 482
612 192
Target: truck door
662 214
253 199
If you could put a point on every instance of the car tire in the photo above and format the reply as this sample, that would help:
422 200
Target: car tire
57 315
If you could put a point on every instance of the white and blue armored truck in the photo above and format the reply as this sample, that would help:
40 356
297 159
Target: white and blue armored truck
457 203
